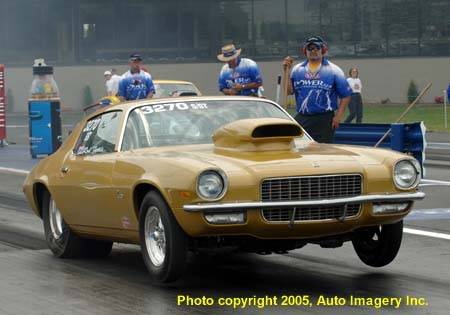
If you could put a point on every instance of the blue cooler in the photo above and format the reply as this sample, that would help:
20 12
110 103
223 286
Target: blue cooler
45 127
44 111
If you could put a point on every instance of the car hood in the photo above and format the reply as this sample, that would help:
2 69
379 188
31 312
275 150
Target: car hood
267 147
304 158
275 146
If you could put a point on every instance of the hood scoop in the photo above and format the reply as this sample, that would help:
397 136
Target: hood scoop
263 134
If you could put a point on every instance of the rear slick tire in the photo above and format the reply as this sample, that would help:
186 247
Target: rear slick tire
62 241
378 246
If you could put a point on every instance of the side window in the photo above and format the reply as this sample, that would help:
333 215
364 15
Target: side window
135 135
99 134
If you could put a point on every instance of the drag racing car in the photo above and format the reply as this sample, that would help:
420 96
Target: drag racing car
179 175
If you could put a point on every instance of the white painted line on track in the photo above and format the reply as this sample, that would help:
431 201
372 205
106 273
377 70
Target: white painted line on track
432 181
428 214
427 233
13 170
17 126
439 143
432 210
438 148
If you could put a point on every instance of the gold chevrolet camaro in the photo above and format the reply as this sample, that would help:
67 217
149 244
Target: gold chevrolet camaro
204 173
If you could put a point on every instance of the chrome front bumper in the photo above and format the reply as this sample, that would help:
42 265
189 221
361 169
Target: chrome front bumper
220 207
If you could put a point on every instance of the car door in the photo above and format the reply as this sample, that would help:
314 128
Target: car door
86 173
136 136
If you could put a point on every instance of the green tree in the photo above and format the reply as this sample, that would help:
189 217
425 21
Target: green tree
9 101
412 91
87 96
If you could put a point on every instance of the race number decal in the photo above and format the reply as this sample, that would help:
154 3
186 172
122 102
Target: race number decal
92 124
172 107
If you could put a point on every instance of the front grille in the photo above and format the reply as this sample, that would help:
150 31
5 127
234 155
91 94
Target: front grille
310 187
311 213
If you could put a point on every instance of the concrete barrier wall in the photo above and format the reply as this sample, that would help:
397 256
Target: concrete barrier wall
382 78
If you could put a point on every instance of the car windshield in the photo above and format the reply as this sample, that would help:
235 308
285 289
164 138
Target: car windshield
173 90
190 122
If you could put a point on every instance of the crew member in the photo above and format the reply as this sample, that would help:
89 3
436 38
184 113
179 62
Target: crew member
239 76
112 85
136 83
321 90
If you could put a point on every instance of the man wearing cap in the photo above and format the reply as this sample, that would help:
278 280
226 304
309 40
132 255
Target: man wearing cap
239 76
107 77
111 83
114 82
135 83
321 90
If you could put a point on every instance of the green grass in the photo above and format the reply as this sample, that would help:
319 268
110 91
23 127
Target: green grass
431 114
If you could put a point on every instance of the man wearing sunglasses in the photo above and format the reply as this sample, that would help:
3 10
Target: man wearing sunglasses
320 88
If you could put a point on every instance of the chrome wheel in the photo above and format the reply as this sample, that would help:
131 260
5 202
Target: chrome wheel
155 237
56 220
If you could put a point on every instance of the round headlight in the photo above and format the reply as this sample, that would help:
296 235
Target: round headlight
406 174
211 185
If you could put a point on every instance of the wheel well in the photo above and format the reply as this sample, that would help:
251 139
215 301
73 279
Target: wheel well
39 190
139 193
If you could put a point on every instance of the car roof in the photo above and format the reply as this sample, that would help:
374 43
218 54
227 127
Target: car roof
129 105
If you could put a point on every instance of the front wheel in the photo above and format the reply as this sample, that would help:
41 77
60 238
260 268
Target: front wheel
163 242
378 246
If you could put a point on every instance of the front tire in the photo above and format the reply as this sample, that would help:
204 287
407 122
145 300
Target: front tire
62 241
163 242
378 246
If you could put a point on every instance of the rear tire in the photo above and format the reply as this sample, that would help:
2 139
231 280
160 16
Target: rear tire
378 246
62 241
163 242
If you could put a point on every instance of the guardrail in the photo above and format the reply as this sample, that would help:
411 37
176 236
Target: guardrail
407 138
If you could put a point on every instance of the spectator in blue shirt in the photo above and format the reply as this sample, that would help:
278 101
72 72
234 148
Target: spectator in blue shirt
239 76
135 83
321 90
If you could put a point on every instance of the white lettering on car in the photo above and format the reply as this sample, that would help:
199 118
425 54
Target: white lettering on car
92 125
149 109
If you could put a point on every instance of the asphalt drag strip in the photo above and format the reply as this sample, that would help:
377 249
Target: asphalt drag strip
35 282
19 227
21 239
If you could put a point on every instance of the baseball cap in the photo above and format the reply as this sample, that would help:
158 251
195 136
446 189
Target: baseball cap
317 40
107 72
135 57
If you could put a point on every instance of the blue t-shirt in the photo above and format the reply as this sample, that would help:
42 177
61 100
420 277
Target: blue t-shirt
247 71
135 86
318 92
448 93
